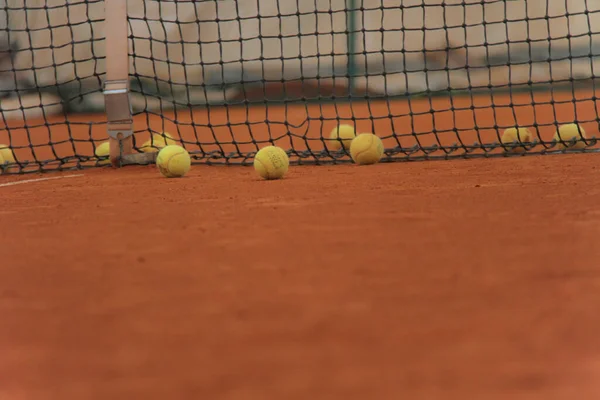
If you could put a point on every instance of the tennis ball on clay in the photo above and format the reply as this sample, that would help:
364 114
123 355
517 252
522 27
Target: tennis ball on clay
271 162
7 154
1 163
173 161
567 133
341 136
366 149
516 136
157 142
103 150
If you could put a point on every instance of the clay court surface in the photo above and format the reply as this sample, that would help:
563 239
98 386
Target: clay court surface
463 279
466 279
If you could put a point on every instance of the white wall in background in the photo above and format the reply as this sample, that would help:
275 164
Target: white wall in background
289 39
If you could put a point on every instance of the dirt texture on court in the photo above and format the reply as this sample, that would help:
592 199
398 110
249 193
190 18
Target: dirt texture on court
448 280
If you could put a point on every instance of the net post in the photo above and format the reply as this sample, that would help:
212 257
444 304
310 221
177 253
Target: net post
116 87
351 43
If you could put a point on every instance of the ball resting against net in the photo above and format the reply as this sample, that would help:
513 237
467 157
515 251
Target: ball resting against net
570 136
7 154
366 149
271 162
173 161
103 151
341 135
157 142
515 139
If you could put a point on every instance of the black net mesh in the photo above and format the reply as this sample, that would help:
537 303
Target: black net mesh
433 79
51 68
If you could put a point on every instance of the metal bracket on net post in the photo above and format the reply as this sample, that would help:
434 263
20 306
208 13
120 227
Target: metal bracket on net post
116 88
119 120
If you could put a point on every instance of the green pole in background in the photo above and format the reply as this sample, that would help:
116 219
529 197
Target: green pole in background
351 42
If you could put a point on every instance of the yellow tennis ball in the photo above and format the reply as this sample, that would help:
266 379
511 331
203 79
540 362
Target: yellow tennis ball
566 133
516 136
173 161
271 162
7 154
1 163
366 149
157 142
103 150
341 136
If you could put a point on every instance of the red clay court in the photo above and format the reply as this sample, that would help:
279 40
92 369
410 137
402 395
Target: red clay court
462 279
